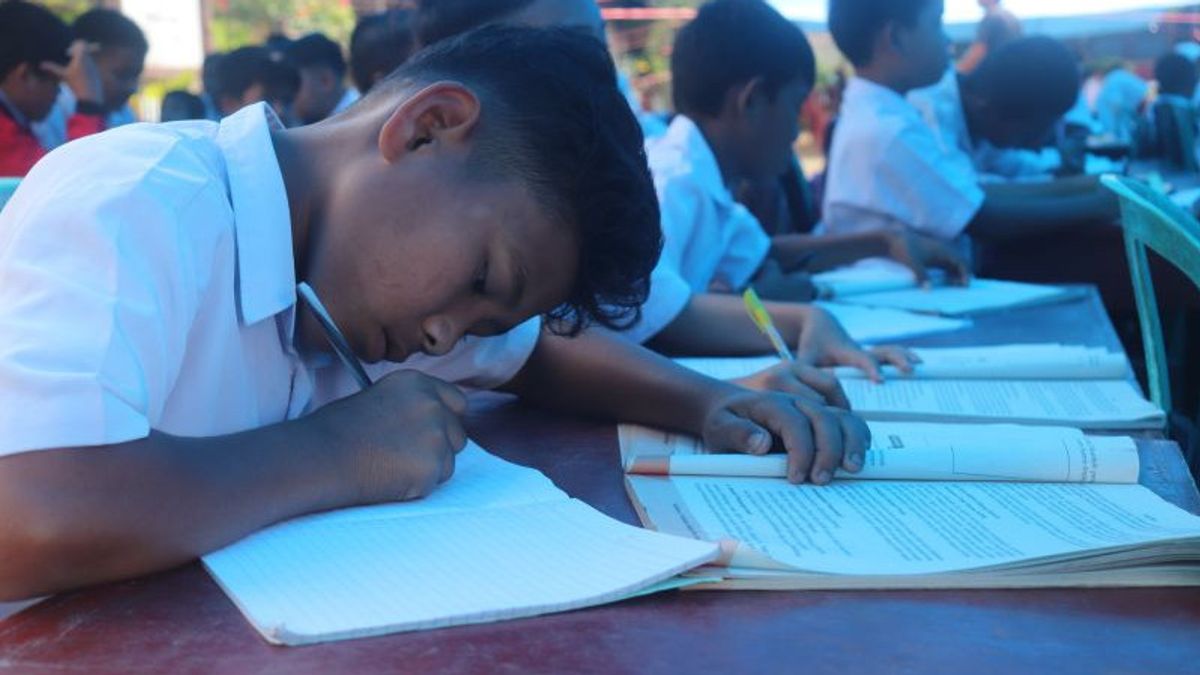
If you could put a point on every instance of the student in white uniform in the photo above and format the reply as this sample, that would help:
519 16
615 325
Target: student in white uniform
887 167
120 54
991 115
161 391
323 91
680 316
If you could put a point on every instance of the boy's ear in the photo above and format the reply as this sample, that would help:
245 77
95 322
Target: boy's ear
749 95
441 114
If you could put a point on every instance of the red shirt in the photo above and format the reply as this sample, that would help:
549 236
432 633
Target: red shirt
20 149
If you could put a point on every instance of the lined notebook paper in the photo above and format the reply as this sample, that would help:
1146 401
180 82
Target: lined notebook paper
500 542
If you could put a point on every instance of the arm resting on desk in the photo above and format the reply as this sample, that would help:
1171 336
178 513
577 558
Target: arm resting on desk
1012 211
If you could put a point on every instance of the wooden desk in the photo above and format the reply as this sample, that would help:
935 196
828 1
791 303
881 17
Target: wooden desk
180 622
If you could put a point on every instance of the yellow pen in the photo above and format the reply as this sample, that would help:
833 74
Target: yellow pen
763 320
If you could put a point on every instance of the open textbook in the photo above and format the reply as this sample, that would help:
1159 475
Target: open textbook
940 533
881 283
912 451
1038 361
976 394
497 541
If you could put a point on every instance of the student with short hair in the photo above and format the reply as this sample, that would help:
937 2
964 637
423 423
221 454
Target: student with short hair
120 55
162 393
36 55
678 317
323 91
888 170
249 75
991 116
378 45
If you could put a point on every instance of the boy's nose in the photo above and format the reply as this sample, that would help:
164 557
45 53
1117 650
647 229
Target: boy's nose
440 336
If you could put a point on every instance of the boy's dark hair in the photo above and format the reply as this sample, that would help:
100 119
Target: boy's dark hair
729 43
110 28
30 34
1028 78
241 68
553 119
1175 74
315 49
855 24
437 20
379 43
181 105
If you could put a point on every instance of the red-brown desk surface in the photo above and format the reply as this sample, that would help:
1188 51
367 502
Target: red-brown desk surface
180 622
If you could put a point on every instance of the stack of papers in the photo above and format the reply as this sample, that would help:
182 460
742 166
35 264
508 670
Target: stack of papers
875 283
498 541
874 325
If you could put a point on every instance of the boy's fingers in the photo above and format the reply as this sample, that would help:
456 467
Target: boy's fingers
54 69
784 418
865 362
900 357
827 439
824 383
856 438
451 396
732 433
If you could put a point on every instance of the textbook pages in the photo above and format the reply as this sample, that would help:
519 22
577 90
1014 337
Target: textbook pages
497 541
1081 396
861 534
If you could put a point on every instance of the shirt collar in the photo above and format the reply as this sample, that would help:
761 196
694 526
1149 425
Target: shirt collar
266 276
685 136
879 96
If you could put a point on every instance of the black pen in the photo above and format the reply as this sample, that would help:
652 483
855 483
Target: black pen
336 339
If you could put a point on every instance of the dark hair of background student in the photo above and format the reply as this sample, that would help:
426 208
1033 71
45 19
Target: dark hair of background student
30 34
855 24
1176 75
110 28
437 20
316 50
378 45
1033 78
729 43
553 118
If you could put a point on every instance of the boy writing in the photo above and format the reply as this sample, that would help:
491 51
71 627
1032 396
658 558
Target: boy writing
160 393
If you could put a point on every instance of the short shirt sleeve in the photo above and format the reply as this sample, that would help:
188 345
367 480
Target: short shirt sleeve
932 190
96 299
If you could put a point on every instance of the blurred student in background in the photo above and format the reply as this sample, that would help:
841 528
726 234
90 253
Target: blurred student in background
36 56
378 45
119 51
322 69
249 75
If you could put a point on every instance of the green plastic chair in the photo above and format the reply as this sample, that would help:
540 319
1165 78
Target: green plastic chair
7 187
1152 220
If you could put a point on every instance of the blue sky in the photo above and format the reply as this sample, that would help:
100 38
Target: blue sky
968 11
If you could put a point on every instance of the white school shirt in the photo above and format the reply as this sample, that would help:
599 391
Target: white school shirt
887 170
941 106
147 282
1117 103
708 237
349 98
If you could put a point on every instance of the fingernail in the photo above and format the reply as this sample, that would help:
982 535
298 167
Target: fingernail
823 477
854 463
760 442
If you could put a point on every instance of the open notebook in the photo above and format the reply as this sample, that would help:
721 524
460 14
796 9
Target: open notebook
873 325
948 524
497 541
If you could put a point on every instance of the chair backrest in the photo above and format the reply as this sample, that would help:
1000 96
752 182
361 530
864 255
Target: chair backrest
7 187
1152 220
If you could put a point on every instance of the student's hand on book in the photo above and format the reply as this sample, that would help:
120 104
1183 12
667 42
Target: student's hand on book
772 283
818 439
823 342
919 253
798 379
80 74
399 437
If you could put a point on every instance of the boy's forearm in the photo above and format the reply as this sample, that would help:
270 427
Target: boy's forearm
81 516
608 377
815 254
715 324
1008 214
